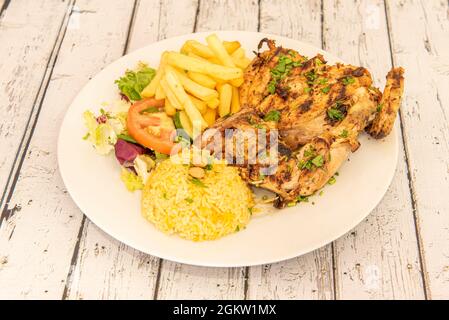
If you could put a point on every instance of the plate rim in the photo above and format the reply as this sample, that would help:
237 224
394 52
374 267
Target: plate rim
206 263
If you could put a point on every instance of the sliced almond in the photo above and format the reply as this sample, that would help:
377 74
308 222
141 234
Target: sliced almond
197 172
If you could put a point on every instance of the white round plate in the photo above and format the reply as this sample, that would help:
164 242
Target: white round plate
94 182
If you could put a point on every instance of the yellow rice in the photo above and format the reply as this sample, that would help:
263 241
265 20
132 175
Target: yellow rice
175 205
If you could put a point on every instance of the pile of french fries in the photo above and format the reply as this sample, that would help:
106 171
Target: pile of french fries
201 81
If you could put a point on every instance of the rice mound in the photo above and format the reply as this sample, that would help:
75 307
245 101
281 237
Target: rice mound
219 205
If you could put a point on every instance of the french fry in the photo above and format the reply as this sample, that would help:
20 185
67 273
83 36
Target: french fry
196 89
219 50
202 79
231 46
150 89
225 92
197 48
239 58
241 63
217 80
213 103
186 123
210 116
169 109
197 65
199 104
175 86
236 82
235 101
170 95
172 81
222 55
194 115
239 53
159 94
215 60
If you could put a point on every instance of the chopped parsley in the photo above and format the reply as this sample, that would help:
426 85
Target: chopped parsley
335 114
318 161
332 180
254 123
312 160
302 199
323 81
344 133
189 200
126 138
348 80
208 167
273 115
307 89
310 152
326 89
237 229
198 182
150 110
272 86
160 156
379 107
86 136
311 77
281 70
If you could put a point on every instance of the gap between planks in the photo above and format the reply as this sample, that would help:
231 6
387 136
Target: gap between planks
33 117
421 257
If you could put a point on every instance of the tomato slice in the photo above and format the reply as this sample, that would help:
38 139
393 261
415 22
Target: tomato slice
138 123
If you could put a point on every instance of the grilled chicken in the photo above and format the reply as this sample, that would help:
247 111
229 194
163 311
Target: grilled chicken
318 110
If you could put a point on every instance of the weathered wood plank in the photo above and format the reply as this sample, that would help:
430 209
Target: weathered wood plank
228 15
419 33
104 268
28 41
108 269
308 276
379 259
38 241
180 281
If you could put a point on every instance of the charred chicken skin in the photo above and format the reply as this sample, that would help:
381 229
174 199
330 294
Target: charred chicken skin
318 110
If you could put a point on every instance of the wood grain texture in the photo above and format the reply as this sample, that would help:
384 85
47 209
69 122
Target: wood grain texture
28 43
228 15
181 281
39 239
419 37
309 276
379 259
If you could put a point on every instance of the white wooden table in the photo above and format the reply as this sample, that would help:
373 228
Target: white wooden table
50 48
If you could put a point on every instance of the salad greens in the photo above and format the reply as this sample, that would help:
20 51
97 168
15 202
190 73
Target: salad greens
103 135
143 165
133 82
132 181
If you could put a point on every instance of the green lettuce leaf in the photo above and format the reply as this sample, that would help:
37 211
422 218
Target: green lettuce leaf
103 136
133 82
